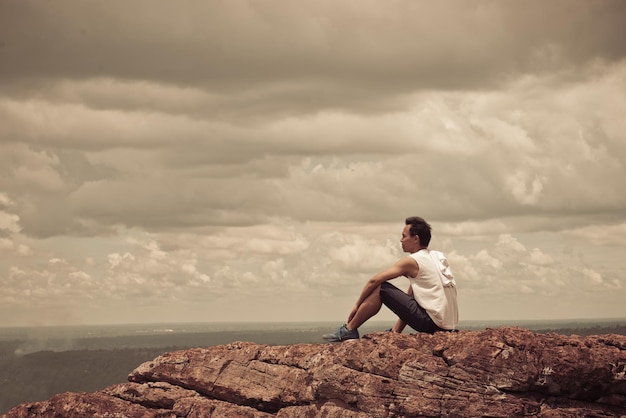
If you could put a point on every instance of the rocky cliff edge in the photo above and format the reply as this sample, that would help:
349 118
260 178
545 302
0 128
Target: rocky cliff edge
499 372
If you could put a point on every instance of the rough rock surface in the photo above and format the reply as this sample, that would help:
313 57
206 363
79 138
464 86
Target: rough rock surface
499 372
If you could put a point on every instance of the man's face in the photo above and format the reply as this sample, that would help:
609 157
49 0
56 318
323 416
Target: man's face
410 244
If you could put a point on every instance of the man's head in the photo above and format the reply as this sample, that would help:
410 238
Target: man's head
416 234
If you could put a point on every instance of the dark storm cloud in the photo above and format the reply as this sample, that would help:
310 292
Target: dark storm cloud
345 54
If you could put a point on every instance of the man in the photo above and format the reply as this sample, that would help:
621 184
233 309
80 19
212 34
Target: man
430 303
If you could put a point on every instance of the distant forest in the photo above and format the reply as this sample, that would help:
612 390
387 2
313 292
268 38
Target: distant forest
586 331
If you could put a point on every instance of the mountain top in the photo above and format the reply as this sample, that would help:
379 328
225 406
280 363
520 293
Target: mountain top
506 371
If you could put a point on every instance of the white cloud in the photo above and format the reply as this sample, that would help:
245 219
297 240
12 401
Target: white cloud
275 269
80 276
360 255
27 168
5 201
540 258
116 260
24 250
600 235
524 189
9 222
593 277
486 259
507 244
6 244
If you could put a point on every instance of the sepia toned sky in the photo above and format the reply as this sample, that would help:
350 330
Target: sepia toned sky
191 161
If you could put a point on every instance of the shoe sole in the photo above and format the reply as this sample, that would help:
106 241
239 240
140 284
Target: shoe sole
332 340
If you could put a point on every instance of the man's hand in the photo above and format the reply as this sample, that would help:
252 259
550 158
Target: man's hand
399 326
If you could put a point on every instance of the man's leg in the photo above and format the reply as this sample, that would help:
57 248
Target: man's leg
407 308
368 309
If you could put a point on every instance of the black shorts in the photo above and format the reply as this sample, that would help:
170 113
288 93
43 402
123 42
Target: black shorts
407 309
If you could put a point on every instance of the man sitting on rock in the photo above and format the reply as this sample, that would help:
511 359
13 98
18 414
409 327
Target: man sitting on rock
430 303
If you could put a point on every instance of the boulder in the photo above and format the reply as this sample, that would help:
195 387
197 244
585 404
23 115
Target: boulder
499 372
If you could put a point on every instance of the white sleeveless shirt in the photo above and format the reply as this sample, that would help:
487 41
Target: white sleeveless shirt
434 291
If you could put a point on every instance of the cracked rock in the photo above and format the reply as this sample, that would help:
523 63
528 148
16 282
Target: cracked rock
504 372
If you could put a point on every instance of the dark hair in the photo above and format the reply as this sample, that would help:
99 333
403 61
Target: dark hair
420 228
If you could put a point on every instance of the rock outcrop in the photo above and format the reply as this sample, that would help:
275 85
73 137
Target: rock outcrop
499 372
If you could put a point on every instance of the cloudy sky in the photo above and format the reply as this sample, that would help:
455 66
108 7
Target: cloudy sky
254 161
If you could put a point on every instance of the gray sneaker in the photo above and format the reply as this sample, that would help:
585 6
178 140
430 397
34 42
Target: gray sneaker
342 334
